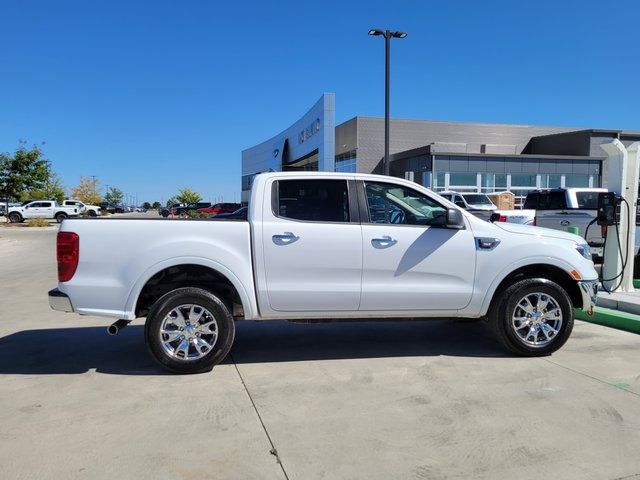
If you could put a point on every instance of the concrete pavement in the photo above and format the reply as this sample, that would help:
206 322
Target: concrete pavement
377 400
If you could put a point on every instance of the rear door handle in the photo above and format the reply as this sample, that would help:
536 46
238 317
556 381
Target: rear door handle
285 238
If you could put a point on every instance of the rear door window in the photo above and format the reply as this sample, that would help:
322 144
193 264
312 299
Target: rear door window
557 201
531 202
312 200
587 200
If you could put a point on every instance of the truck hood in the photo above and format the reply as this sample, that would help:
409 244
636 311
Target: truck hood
538 231
478 206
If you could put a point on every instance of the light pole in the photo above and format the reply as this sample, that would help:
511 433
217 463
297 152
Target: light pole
388 35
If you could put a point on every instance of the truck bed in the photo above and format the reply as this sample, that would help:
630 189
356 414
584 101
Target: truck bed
118 256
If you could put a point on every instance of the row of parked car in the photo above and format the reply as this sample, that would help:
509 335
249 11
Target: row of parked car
205 209
52 210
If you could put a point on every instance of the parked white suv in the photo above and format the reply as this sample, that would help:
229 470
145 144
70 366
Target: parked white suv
323 246
48 209
92 210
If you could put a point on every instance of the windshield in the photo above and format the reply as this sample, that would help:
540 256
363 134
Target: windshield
477 199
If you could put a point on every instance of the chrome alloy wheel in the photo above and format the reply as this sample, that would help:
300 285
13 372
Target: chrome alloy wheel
537 319
188 332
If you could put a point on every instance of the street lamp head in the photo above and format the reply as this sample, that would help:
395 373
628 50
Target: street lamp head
376 31
399 34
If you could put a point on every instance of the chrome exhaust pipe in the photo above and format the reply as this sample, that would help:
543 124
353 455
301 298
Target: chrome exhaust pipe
116 326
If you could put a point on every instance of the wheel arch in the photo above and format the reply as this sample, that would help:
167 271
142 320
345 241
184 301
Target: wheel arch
547 270
187 271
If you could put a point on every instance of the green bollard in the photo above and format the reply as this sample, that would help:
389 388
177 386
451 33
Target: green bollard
574 230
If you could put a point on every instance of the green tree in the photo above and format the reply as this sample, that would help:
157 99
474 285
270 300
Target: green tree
23 171
146 205
114 196
52 189
171 201
186 195
87 191
156 205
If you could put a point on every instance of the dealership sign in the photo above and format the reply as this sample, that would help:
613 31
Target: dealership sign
310 131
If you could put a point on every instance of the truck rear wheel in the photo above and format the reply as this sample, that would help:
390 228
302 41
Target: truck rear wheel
60 217
533 317
189 330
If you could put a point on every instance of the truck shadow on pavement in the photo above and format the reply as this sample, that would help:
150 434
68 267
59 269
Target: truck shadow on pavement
79 350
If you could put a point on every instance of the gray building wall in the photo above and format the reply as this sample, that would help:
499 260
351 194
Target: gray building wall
450 137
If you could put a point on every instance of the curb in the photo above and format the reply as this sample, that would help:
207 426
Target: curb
611 318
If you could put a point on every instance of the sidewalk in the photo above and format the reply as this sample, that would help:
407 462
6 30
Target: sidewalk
621 301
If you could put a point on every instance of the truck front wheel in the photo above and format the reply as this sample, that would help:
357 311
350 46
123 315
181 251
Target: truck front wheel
532 317
189 330
15 217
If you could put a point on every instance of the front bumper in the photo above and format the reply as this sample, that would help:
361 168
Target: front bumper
59 301
589 291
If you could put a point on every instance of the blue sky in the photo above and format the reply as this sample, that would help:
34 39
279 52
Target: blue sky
151 96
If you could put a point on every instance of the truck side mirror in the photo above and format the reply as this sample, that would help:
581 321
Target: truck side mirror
455 219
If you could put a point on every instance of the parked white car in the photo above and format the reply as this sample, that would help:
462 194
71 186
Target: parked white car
319 246
48 209
92 210
470 201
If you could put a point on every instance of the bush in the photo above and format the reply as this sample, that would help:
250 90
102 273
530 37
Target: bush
37 222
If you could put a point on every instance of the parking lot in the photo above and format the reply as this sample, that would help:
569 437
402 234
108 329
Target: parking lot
373 400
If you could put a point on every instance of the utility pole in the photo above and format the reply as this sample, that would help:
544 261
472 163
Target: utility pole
388 35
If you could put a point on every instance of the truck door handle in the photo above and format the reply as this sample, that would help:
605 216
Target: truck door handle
383 242
285 238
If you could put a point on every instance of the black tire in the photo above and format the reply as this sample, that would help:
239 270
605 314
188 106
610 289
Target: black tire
165 214
92 213
15 217
201 298
60 217
504 308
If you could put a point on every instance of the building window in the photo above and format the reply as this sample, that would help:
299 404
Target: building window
346 162
523 180
439 183
576 181
457 179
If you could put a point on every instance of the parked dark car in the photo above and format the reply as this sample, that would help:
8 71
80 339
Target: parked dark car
192 207
166 211
107 207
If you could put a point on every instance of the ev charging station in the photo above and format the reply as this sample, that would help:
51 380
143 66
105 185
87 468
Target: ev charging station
621 172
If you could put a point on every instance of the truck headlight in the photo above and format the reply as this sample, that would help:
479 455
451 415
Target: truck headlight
584 250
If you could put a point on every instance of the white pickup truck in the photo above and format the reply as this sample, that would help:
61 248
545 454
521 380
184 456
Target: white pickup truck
322 246
562 208
91 210
48 209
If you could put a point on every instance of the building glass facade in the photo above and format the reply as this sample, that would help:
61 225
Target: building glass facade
346 162
518 174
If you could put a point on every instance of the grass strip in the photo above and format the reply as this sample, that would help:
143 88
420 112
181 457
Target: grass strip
611 318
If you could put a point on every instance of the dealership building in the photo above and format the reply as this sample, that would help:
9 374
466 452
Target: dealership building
478 157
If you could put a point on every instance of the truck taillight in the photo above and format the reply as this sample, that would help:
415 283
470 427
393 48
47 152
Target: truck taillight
68 253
